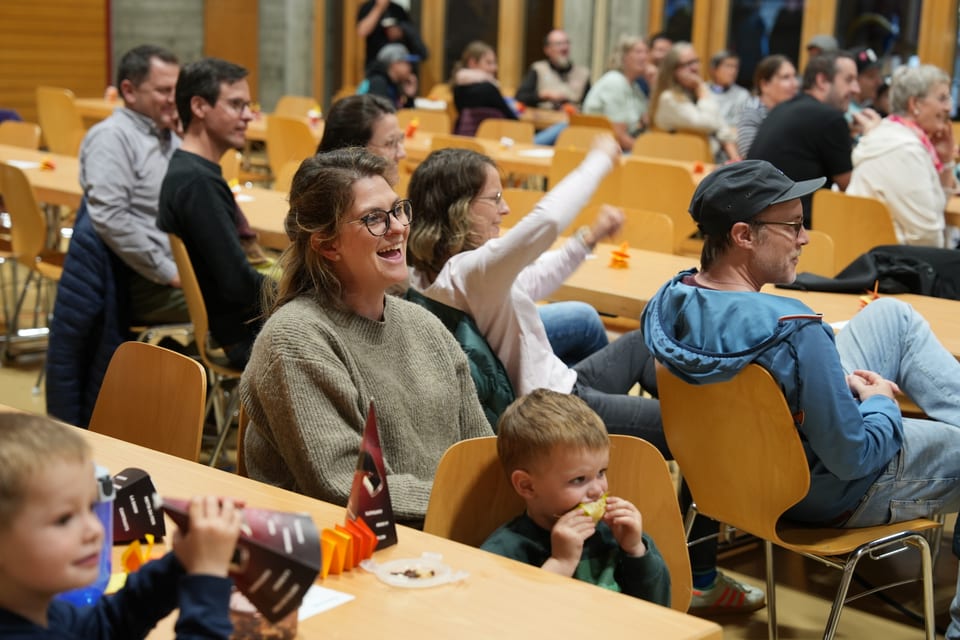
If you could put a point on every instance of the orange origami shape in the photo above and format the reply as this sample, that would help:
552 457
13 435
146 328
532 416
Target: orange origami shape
619 258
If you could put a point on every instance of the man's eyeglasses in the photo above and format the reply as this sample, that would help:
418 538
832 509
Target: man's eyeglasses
495 199
796 226
377 221
237 105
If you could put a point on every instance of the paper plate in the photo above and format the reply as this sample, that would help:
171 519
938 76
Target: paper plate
414 573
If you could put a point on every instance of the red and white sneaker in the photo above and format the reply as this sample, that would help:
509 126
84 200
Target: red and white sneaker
726 595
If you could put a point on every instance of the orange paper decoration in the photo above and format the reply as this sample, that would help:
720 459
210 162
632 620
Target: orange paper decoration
619 258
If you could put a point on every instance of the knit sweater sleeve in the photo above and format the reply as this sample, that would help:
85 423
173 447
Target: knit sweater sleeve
646 577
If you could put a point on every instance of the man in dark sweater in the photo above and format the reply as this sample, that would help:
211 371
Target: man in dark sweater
808 137
196 204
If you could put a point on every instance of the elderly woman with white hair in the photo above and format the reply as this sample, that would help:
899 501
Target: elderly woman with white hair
907 160
616 94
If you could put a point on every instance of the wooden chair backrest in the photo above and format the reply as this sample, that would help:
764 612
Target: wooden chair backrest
152 397
288 139
60 120
663 187
295 106
647 230
521 202
428 119
20 134
856 224
28 225
566 159
196 307
817 256
472 496
748 467
516 130
343 92
450 141
230 164
284 178
579 137
673 146
591 120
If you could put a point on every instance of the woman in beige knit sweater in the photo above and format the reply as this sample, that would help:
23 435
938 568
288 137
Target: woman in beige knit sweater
335 340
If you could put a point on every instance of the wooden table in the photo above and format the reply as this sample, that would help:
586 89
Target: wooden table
625 292
265 209
60 185
527 159
500 599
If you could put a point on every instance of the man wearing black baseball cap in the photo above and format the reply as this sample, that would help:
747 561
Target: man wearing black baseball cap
866 460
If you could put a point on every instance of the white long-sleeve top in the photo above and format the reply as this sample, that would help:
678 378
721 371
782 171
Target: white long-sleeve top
499 282
891 164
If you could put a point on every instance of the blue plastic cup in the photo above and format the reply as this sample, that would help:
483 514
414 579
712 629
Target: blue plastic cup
86 596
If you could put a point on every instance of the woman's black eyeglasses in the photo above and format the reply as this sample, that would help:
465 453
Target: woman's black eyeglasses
377 221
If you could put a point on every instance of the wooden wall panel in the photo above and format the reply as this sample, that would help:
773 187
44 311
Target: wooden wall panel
60 43
231 31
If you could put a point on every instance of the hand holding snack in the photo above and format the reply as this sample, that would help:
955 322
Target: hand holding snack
626 523
208 545
566 541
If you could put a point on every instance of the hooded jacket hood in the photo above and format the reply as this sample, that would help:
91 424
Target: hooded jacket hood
680 327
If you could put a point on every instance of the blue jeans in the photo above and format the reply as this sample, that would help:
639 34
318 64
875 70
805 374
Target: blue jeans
549 135
923 479
574 330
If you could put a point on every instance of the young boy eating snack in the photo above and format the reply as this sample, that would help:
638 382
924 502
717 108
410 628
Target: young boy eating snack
555 450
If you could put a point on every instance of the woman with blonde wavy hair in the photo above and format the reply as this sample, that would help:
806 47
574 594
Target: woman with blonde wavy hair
682 101
334 340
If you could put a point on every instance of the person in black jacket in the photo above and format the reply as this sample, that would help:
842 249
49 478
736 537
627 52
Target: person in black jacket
392 76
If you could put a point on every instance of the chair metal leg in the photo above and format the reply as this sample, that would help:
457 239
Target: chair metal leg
773 632
233 404
875 550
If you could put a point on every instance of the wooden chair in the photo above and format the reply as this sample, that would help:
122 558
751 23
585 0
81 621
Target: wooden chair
428 119
31 245
663 187
343 92
679 145
647 230
284 178
521 202
855 223
20 134
152 397
288 139
230 164
591 120
497 128
60 120
749 467
579 137
443 91
472 496
817 255
450 141
223 403
566 159
295 106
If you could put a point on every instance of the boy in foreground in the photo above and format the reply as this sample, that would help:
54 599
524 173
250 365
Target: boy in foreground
555 450
50 542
